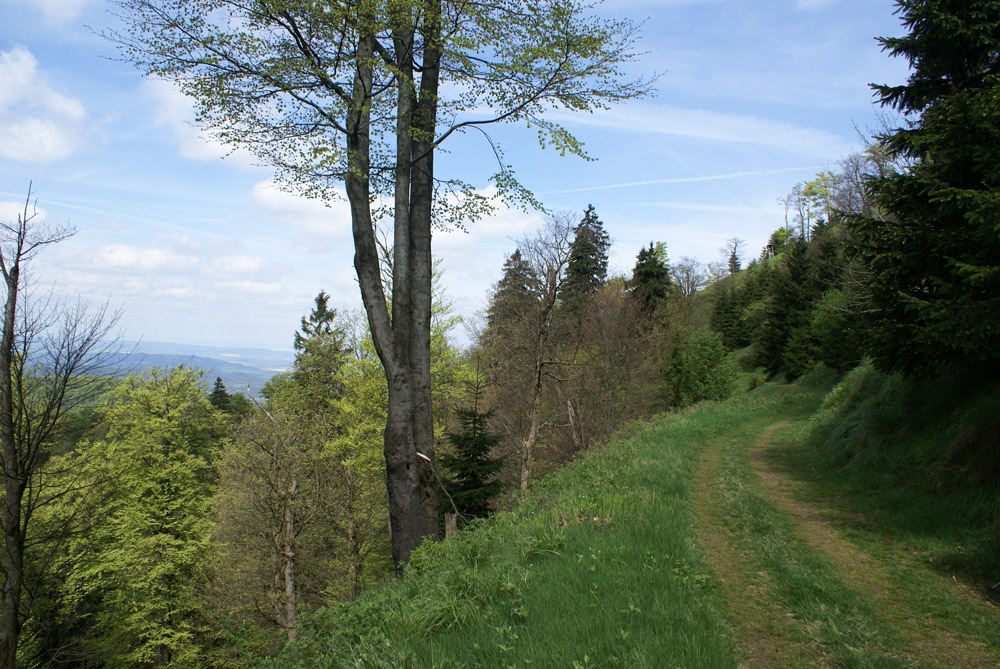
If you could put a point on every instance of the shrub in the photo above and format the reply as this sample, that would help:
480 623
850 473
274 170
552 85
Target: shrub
701 369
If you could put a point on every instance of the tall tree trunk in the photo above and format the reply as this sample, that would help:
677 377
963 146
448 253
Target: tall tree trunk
14 484
402 340
288 560
528 447
421 205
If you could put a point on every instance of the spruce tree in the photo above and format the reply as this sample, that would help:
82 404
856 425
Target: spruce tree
514 292
933 248
319 354
219 397
472 471
587 270
650 282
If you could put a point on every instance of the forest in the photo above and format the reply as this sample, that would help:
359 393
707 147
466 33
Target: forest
161 519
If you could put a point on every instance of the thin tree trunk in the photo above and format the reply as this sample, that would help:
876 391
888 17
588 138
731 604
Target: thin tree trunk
574 425
10 620
288 559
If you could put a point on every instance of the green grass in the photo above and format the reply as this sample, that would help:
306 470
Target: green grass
597 567
881 444
804 583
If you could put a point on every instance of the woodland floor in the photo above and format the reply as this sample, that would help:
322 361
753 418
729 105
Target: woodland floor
805 586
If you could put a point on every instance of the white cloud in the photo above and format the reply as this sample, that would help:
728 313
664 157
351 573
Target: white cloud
239 264
126 258
10 210
248 287
38 124
60 11
715 126
175 113
323 225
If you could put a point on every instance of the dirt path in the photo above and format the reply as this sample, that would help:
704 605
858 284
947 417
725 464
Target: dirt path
769 636
765 633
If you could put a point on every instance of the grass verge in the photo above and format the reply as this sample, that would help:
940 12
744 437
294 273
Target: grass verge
597 567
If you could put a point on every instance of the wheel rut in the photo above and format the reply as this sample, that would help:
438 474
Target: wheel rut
767 634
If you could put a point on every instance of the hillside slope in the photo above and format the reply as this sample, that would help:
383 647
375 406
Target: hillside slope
684 543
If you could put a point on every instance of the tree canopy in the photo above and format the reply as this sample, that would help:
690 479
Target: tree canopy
932 245
362 94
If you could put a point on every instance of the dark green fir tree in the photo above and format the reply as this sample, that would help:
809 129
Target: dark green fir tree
587 269
933 247
650 282
514 292
219 397
471 470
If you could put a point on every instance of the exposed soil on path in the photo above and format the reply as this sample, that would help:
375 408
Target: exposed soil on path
770 636
926 644
765 633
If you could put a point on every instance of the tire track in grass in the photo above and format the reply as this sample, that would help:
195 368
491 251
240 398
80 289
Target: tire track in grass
926 642
767 634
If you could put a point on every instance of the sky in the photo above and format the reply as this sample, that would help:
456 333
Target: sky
195 244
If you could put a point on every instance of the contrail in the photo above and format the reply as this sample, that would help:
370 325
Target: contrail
680 180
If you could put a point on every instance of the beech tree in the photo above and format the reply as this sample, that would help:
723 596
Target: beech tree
362 94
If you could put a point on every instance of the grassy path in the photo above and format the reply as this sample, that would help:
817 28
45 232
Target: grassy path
691 542
800 592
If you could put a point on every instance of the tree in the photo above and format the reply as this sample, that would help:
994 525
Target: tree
513 294
588 264
931 244
357 93
50 355
273 495
219 398
318 356
650 279
472 469
144 560
688 275
522 358
700 369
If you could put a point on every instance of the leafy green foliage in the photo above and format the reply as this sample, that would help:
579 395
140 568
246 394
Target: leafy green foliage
701 369
143 562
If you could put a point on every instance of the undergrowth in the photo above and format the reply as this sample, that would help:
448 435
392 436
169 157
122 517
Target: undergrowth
919 458
596 567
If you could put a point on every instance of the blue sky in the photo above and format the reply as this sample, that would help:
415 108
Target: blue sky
752 97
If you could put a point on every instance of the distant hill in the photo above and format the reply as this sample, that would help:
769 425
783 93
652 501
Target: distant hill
237 367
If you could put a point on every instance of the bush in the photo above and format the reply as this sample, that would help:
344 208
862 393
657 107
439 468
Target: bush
701 369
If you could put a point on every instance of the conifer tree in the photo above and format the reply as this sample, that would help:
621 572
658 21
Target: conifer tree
219 397
650 279
588 264
514 292
319 354
933 247
472 469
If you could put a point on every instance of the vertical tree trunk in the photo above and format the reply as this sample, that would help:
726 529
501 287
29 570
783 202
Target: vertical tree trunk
288 560
10 619
576 428
421 204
